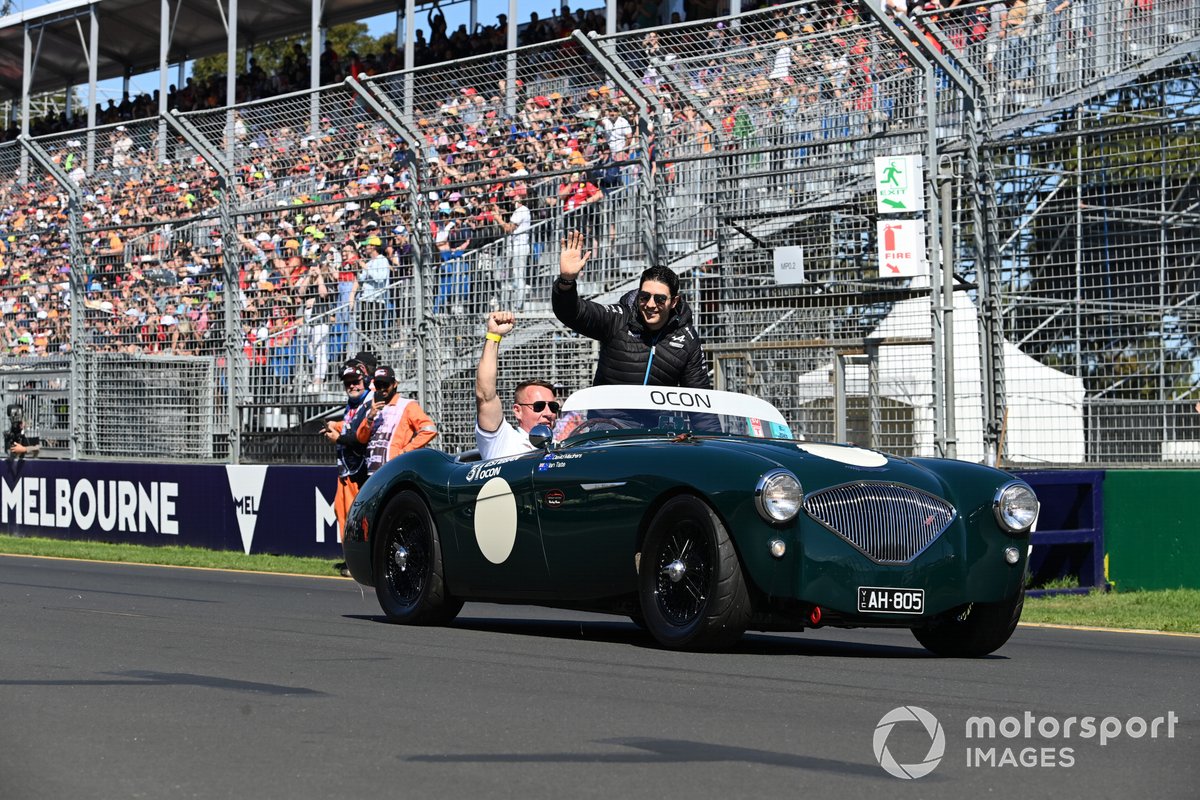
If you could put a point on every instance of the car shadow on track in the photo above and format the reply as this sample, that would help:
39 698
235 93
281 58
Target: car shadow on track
618 632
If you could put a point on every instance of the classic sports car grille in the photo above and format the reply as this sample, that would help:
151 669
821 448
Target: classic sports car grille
891 524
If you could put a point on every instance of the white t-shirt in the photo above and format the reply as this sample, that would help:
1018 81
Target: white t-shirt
523 221
618 131
504 441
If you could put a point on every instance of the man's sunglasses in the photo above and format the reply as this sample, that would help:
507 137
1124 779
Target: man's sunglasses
348 382
539 406
659 299
382 385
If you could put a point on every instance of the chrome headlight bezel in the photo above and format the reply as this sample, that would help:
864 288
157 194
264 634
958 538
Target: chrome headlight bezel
1016 507
778 496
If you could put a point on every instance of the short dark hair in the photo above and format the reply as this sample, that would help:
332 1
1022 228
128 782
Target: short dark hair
523 385
661 274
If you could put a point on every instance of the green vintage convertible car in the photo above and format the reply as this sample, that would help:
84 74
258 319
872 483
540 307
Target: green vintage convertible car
698 515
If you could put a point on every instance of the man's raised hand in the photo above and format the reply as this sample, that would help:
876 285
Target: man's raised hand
501 322
572 257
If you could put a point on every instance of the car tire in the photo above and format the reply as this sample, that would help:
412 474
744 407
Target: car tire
690 584
985 629
408 557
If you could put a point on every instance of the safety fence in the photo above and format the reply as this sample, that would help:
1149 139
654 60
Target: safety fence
191 294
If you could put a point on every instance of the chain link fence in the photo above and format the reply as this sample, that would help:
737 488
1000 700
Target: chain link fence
187 286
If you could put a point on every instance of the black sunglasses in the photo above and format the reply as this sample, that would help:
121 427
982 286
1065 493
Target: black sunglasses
659 299
382 384
348 382
539 406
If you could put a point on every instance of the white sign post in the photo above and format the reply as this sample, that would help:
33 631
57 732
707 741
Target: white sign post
789 265
899 184
901 248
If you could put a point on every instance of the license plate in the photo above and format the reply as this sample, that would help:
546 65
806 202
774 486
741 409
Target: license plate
885 600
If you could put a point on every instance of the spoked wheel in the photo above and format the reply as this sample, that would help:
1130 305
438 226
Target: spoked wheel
690 583
975 631
408 559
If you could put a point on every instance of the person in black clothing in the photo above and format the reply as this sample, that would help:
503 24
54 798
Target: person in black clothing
351 454
16 443
647 338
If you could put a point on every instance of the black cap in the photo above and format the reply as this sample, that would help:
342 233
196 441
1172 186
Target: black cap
384 376
368 360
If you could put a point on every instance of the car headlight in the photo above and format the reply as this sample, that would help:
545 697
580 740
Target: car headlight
778 496
1016 507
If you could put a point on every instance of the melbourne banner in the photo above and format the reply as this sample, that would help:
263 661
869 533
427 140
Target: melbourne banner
252 508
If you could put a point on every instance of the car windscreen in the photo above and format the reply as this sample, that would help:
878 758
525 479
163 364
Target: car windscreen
583 421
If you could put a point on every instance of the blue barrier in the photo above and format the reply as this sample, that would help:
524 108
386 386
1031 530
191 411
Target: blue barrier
282 510
1070 532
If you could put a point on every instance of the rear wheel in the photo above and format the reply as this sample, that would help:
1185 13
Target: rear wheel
408 564
979 629
690 583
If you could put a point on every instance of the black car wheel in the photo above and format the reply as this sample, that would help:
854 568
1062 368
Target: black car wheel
408 565
975 631
690 583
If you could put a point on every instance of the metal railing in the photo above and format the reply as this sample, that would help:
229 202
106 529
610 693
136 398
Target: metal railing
218 266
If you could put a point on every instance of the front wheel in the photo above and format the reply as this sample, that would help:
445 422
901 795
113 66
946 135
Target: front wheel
978 630
690 583
408 565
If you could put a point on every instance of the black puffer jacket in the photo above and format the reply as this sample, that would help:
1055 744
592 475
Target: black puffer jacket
626 347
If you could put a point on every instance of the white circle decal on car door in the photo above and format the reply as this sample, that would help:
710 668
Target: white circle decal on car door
496 520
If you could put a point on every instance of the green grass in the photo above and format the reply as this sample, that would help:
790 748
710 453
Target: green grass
174 556
1176 610
1063 582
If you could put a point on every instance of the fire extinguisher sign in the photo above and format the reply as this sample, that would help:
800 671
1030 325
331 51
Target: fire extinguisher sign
901 248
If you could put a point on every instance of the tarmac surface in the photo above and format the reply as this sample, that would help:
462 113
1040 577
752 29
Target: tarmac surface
135 681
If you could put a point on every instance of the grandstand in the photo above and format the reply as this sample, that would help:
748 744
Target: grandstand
195 276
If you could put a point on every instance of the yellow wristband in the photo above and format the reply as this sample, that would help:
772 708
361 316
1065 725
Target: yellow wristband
495 337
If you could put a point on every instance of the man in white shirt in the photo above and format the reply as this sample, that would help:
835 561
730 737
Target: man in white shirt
619 132
534 401
372 299
518 226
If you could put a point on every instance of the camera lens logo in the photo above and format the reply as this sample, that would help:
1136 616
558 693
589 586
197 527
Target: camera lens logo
937 742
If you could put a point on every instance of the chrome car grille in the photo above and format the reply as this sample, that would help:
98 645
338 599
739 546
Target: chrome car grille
890 524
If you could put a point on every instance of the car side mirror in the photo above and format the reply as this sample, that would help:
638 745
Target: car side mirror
540 436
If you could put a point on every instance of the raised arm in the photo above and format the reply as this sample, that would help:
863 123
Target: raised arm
572 258
489 411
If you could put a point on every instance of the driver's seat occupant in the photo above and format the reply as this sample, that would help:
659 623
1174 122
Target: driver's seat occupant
534 402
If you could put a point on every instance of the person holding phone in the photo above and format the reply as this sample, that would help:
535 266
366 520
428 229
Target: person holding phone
393 424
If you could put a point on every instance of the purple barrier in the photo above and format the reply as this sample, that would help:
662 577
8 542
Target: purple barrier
256 509
1069 539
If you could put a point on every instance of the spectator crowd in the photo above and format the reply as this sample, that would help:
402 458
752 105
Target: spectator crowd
327 268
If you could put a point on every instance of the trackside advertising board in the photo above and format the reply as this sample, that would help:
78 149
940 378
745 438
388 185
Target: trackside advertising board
256 509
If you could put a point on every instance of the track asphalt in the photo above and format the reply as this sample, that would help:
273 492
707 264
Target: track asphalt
134 681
